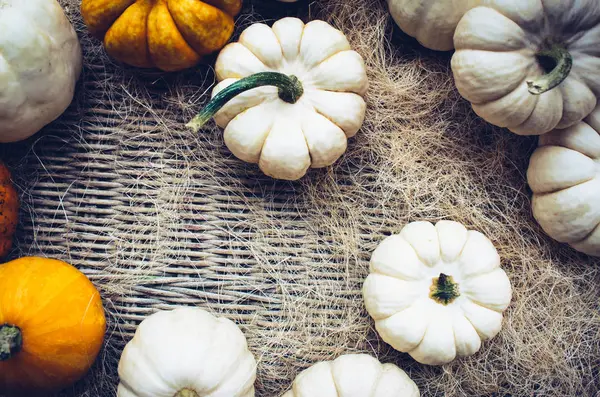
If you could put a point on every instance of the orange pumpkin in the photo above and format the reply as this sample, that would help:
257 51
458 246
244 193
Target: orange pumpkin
51 325
9 211
168 34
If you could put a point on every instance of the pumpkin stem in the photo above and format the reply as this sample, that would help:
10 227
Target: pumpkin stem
443 289
11 341
290 90
563 62
186 393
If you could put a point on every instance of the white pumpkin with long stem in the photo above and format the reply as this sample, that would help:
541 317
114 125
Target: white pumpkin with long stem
564 174
530 65
353 375
40 62
431 22
187 352
435 292
289 96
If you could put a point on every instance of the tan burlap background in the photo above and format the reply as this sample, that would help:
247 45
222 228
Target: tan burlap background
158 217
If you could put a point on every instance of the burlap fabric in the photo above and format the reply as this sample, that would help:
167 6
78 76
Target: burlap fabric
158 217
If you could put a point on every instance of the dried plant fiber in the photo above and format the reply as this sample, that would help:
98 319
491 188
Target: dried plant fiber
158 217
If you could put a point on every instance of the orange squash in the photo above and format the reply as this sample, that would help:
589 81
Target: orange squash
52 326
168 34
9 211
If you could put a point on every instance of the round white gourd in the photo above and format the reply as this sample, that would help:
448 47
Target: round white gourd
529 65
564 174
435 292
40 62
431 22
187 352
353 375
323 81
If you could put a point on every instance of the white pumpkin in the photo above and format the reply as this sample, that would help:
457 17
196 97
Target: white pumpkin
307 103
431 22
40 62
187 352
530 65
435 292
564 174
353 375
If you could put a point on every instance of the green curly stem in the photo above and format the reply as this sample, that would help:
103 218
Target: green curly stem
443 289
186 393
564 64
290 90
11 341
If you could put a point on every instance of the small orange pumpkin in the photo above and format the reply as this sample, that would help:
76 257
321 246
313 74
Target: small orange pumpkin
9 211
52 325
168 34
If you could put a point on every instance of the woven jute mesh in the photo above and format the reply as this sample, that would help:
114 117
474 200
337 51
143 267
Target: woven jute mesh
158 217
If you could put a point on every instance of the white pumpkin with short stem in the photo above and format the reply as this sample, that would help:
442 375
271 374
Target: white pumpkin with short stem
353 375
290 96
435 292
431 22
40 62
564 174
530 65
187 352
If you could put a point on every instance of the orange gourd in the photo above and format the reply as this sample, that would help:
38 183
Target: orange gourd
52 326
168 34
9 211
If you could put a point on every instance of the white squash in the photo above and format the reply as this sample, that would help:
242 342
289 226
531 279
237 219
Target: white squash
298 101
353 375
40 62
431 22
530 65
435 292
564 174
187 352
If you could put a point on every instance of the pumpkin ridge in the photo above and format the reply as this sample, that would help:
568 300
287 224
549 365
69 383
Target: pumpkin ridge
146 34
123 41
376 383
182 30
478 303
471 322
104 20
422 337
262 147
422 15
335 384
332 121
178 33
557 190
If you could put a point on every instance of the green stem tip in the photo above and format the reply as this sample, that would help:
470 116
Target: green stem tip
186 393
11 341
290 90
444 290
564 63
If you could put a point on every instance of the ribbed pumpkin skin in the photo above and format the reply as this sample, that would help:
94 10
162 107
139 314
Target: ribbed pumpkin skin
170 35
9 211
60 315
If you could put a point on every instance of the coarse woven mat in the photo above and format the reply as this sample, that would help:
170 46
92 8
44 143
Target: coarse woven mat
158 217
